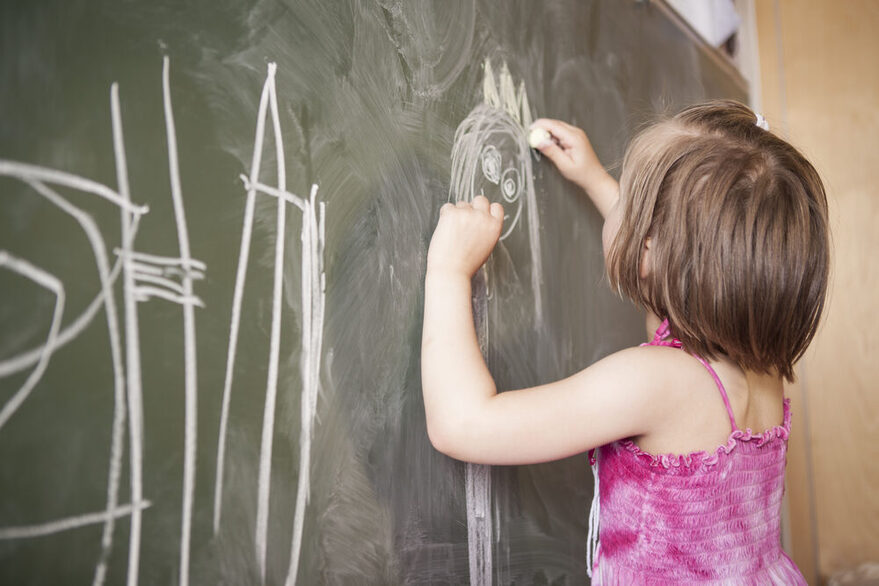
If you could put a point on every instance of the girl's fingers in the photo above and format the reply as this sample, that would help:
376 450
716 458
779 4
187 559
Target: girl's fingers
497 210
480 202
462 204
554 153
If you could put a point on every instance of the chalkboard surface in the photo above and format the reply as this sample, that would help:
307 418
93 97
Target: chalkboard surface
215 217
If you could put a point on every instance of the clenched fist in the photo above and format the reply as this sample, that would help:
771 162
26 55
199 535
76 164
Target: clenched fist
465 235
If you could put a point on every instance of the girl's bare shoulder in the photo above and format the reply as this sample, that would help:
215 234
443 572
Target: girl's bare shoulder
660 378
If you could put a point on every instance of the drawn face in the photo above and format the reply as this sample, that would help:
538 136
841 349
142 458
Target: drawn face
502 171
491 158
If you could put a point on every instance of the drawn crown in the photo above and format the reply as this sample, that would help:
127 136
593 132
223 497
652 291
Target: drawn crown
503 95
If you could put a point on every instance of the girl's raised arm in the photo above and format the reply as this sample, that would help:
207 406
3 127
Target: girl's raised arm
467 419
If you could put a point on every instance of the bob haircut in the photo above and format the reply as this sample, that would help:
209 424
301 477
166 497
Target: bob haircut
739 242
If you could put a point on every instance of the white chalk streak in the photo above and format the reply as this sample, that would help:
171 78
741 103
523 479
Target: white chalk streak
50 282
186 263
27 172
536 255
191 382
145 292
243 256
479 524
132 352
192 274
274 192
52 527
143 269
313 304
162 281
268 423
477 489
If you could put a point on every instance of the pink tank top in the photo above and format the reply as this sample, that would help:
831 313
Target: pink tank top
701 518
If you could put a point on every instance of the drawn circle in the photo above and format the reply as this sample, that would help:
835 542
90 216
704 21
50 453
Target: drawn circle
510 184
491 163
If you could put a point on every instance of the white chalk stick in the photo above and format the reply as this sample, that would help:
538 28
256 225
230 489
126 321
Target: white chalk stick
538 136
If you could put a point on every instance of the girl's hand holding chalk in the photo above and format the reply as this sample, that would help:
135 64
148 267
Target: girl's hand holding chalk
569 149
464 237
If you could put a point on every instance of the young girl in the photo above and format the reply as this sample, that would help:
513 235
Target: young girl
718 228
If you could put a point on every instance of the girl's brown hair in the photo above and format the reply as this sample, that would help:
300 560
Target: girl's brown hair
739 240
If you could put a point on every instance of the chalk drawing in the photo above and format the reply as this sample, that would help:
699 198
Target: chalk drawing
144 276
313 236
491 157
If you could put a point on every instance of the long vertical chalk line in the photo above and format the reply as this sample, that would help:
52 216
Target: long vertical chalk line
313 301
243 256
189 341
477 488
536 256
304 480
479 524
268 425
132 344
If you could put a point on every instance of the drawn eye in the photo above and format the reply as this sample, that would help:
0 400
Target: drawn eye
491 164
510 184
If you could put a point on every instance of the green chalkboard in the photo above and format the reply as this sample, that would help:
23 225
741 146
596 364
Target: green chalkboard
215 218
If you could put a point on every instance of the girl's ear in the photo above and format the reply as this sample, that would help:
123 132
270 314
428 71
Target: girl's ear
646 258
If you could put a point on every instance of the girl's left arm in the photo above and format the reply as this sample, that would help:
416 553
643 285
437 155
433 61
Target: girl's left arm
466 417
